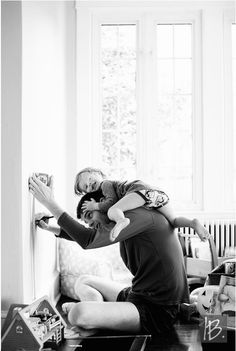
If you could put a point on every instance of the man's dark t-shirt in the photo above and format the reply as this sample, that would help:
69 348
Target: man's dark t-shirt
149 248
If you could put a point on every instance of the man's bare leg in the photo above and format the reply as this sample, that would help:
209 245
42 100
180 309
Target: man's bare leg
96 289
86 292
91 316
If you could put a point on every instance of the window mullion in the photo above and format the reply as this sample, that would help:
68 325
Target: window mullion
95 92
145 95
118 105
230 113
197 115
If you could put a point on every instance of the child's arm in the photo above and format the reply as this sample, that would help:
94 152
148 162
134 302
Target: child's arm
110 198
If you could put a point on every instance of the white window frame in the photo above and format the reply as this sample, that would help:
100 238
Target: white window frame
206 18
217 128
230 117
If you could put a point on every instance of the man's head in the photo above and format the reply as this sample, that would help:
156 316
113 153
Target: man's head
93 218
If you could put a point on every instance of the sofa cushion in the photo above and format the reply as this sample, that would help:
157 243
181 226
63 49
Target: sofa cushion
75 261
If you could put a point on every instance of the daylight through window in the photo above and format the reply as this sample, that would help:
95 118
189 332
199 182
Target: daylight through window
170 133
118 70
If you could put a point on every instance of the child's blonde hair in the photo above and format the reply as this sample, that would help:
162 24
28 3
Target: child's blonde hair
77 189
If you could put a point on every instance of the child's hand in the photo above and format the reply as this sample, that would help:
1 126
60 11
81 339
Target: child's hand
90 205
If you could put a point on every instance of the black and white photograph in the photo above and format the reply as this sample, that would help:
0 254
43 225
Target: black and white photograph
118 175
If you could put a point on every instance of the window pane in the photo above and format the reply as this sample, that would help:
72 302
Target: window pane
172 169
183 76
165 71
110 150
172 123
165 110
182 40
109 112
165 41
118 79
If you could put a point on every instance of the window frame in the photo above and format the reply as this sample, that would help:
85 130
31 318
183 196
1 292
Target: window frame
229 111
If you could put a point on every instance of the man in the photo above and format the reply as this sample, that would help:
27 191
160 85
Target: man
151 251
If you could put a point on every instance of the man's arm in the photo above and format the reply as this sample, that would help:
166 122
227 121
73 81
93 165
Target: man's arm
70 228
140 221
73 227
45 195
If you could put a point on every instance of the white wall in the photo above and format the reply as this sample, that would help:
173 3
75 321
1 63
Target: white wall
41 135
11 236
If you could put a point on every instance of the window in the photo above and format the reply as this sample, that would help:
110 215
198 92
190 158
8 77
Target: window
154 97
125 105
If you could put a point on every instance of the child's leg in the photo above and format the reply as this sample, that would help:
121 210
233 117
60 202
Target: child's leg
181 222
116 212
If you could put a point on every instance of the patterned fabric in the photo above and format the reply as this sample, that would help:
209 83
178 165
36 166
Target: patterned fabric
115 190
74 262
155 198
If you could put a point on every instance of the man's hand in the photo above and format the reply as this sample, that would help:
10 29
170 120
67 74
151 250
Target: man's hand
41 220
43 225
40 191
90 205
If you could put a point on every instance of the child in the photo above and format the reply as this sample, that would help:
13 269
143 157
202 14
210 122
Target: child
123 196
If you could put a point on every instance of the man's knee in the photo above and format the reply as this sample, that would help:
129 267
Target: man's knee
79 316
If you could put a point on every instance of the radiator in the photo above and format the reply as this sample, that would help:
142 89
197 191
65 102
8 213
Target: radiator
223 231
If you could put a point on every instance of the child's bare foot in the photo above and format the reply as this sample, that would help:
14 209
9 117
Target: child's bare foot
87 332
77 332
121 224
72 333
200 230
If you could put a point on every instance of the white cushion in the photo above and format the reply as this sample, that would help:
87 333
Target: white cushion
74 262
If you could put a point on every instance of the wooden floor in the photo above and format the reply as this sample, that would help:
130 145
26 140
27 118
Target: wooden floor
185 336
